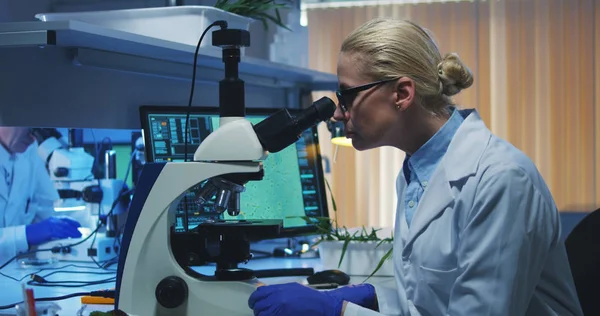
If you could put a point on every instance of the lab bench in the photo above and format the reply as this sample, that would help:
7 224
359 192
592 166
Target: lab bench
10 290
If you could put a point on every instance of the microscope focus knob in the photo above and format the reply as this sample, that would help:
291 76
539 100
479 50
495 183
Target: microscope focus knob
171 292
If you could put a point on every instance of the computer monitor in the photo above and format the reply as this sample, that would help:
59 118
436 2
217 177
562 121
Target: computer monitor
293 185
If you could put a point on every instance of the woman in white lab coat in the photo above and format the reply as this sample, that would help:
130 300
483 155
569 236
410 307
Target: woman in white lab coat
477 231
26 197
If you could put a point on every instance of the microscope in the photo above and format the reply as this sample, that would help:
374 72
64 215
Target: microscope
154 273
82 196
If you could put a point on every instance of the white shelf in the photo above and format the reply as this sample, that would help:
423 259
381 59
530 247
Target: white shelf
75 74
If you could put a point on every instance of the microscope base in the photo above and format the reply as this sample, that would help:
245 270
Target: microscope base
103 249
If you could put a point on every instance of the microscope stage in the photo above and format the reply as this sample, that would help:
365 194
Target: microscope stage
253 229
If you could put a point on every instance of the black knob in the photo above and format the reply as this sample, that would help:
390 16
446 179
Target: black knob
61 172
171 292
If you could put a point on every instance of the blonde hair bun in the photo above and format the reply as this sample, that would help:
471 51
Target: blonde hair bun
454 75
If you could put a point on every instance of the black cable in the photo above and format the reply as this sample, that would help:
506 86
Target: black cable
115 203
223 25
93 234
57 248
74 272
105 262
107 294
48 299
104 268
29 275
53 249
100 224
48 249
9 277
69 284
41 280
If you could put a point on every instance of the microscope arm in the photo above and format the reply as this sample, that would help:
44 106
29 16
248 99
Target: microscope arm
49 140
233 141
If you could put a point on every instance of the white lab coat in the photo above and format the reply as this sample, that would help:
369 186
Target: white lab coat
28 199
485 239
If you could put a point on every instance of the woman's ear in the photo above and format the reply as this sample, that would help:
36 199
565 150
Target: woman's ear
404 92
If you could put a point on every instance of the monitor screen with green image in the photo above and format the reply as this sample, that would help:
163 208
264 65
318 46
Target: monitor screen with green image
293 186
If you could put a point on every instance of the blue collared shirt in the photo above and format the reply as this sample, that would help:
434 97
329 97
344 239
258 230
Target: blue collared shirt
419 167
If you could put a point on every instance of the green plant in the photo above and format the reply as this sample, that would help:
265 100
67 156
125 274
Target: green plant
256 9
330 231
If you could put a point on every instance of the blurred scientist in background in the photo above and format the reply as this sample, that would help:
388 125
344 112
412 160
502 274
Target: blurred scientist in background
27 197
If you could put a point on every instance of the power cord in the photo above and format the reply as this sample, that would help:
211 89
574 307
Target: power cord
30 275
38 280
60 248
92 235
115 203
53 249
104 293
223 25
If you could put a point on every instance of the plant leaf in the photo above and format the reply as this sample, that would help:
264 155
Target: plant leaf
278 15
344 248
331 192
318 242
256 9
333 204
381 262
266 17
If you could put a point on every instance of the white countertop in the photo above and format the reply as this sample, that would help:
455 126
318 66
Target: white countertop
10 290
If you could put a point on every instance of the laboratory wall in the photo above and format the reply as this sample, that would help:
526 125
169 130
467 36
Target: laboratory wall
74 96
536 65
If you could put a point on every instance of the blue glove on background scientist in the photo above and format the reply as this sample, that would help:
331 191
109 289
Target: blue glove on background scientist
27 197
477 231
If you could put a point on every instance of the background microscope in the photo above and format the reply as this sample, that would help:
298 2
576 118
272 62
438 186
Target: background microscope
98 204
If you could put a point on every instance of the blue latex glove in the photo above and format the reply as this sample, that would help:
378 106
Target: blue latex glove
293 299
359 294
51 229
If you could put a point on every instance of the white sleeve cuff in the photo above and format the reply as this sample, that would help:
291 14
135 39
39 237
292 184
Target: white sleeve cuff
21 244
387 300
356 310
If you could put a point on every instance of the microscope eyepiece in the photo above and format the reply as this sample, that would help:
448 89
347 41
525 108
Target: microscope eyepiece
321 110
281 129
41 134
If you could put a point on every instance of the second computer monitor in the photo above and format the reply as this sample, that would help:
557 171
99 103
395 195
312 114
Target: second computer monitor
293 186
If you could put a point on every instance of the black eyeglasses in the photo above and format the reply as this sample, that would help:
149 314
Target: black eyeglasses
346 96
